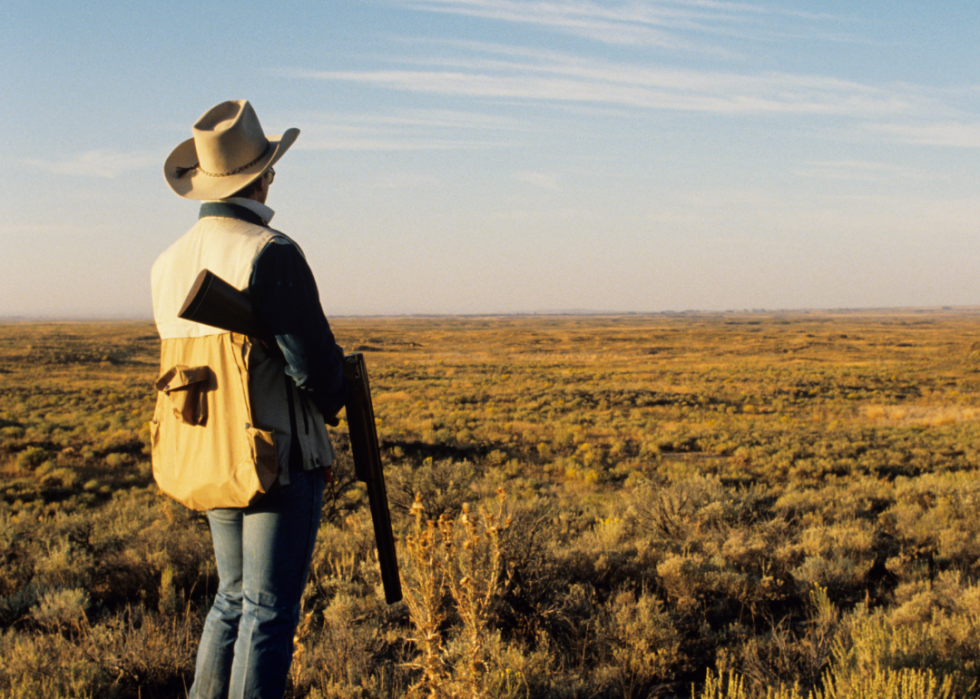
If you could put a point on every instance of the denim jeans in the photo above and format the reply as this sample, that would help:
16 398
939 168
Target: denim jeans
263 555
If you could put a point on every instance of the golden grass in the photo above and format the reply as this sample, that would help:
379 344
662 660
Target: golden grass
733 502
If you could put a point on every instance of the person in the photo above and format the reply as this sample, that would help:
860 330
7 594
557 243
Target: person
262 546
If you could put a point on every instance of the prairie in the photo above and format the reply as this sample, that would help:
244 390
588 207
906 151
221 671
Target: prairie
676 505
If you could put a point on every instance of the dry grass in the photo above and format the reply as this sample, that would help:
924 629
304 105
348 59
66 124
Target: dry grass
710 506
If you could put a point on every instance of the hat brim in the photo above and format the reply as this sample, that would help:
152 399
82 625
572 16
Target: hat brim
186 179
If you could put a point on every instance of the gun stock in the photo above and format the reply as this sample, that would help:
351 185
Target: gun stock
367 468
213 301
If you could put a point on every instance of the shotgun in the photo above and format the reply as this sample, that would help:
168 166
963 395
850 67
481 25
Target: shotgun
213 301
367 467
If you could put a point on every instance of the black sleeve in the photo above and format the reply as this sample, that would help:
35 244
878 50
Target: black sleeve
285 297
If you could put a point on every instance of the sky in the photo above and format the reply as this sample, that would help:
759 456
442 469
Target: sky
494 156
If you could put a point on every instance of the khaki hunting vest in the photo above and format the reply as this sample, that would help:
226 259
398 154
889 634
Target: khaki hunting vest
222 428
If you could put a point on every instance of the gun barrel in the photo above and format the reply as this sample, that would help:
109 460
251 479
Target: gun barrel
367 468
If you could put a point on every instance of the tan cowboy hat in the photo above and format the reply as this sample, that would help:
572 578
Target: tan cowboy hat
228 152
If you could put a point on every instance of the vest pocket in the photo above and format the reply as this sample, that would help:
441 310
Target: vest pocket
187 389
265 456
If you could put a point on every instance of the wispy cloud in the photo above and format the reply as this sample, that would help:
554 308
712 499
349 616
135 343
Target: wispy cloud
480 76
861 171
952 134
402 181
542 180
562 78
53 230
670 24
383 142
406 130
97 163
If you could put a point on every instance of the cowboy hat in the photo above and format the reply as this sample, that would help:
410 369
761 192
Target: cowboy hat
228 152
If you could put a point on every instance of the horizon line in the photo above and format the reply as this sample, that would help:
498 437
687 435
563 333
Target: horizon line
128 318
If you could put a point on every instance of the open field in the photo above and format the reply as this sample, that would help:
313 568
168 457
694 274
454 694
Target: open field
638 506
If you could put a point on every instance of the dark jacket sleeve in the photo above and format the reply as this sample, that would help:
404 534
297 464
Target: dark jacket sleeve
285 296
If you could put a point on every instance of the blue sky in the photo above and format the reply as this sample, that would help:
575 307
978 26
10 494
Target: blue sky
489 156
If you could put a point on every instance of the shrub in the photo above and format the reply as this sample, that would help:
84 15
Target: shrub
642 642
32 457
459 560
63 609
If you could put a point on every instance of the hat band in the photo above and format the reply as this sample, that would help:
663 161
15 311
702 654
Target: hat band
181 171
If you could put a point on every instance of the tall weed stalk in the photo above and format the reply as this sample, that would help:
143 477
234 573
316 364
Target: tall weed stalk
455 572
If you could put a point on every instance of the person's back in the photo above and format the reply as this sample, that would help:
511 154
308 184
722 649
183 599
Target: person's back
239 427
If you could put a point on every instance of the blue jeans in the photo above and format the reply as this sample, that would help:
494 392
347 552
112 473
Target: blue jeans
263 554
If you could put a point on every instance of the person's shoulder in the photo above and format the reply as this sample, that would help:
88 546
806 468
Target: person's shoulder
285 245
175 248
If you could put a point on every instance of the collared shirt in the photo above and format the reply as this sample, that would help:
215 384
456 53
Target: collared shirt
258 208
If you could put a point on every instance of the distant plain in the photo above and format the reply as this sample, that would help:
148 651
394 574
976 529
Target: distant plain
654 505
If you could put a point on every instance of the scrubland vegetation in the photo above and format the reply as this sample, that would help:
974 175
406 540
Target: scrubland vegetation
704 506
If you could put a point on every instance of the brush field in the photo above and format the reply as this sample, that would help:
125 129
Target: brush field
710 506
